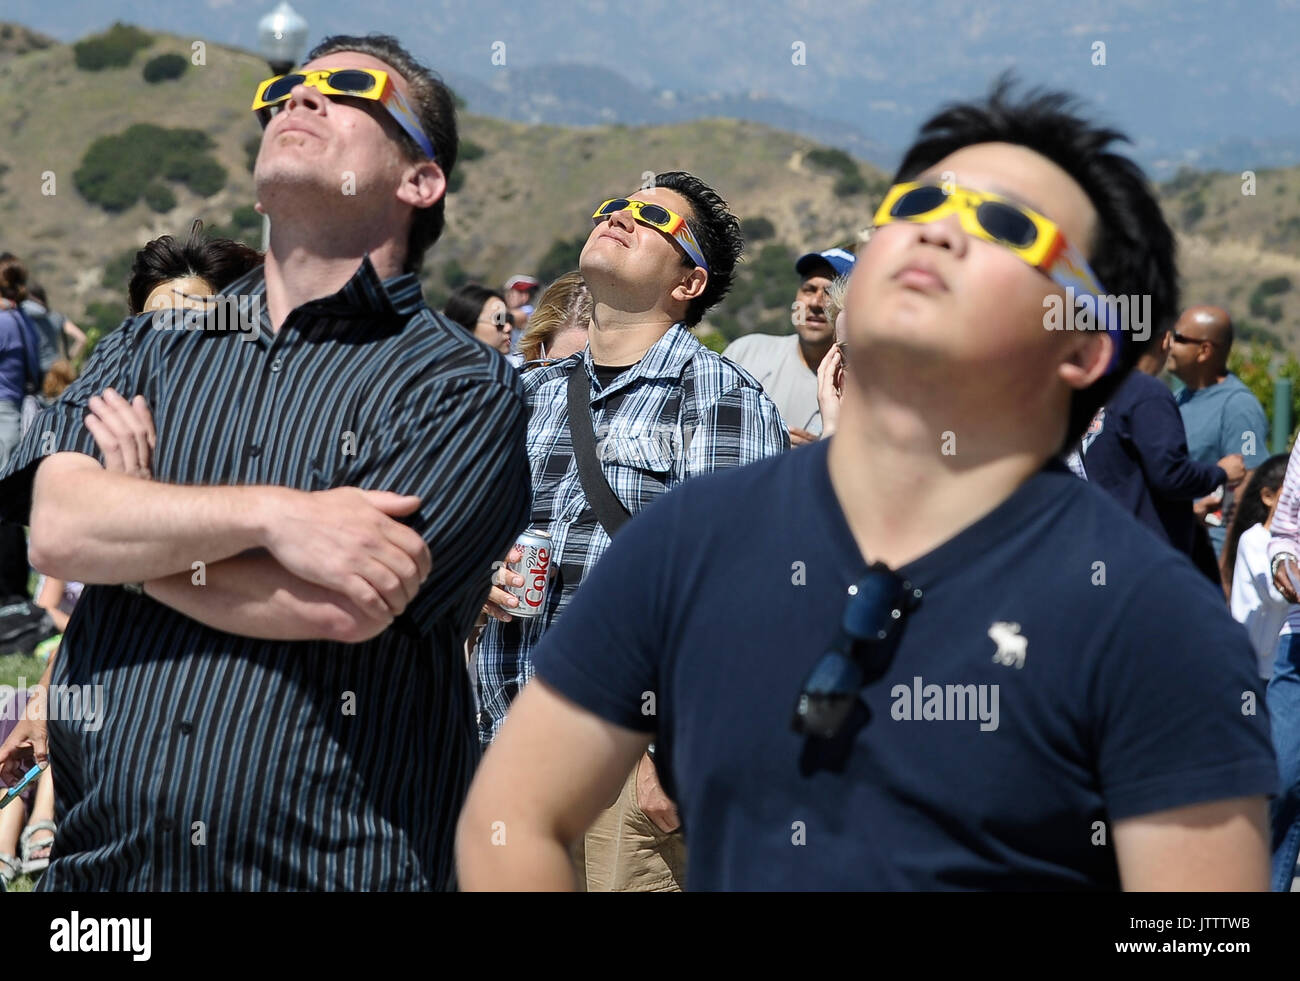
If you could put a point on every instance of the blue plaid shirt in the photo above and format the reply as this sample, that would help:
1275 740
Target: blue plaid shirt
680 411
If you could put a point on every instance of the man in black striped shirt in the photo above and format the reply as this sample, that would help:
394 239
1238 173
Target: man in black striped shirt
285 706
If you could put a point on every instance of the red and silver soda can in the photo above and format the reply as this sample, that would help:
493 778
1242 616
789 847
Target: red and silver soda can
535 567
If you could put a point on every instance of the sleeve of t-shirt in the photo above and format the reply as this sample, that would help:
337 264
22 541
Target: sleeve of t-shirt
1242 416
605 652
1156 428
458 444
1176 706
60 428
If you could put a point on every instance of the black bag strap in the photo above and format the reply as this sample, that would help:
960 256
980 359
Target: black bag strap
610 511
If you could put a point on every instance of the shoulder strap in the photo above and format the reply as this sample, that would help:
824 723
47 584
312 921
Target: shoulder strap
610 511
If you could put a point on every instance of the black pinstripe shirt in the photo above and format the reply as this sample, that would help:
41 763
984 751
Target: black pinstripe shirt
226 762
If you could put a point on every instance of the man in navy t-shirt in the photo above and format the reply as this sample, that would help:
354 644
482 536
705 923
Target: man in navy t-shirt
920 655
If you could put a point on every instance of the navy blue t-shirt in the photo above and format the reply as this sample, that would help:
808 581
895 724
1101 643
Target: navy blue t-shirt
1109 681
1138 453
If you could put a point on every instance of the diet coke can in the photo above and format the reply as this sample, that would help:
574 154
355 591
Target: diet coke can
535 567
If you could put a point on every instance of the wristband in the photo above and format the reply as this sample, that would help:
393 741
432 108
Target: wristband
1277 560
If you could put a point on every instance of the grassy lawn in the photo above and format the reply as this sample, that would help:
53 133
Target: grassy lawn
20 669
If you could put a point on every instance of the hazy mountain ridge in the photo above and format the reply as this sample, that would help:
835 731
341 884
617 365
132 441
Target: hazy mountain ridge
534 186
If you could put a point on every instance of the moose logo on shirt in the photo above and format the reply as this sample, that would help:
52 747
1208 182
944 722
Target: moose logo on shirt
1011 645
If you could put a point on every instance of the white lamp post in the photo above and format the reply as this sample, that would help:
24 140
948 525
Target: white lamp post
281 38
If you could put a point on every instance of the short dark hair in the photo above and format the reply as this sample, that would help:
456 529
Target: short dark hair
13 278
464 305
218 261
436 109
1133 250
716 230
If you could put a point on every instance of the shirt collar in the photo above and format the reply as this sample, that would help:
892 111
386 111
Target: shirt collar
665 359
364 295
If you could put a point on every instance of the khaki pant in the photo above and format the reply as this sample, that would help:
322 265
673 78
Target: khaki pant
624 851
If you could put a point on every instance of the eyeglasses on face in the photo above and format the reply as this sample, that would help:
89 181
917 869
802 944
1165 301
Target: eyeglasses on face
356 83
656 216
1184 339
1033 238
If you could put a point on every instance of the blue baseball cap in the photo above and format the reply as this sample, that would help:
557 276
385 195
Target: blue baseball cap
838 259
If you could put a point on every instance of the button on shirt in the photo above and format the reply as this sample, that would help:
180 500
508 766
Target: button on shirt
682 410
226 762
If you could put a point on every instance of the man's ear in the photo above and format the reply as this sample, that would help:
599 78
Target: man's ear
1086 359
691 286
423 185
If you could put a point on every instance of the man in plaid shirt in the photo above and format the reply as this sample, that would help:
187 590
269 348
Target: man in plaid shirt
664 408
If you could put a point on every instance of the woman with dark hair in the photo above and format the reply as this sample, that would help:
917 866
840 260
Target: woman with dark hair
483 313
1253 599
165 271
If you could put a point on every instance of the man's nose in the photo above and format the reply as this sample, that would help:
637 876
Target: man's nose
307 97
946 233
624 219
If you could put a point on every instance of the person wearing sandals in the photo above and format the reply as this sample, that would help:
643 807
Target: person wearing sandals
26 825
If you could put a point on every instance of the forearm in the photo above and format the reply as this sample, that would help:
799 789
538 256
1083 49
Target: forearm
95 526
1185 479
254 596
508 854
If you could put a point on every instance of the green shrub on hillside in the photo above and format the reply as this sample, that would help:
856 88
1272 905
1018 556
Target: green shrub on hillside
756 229
118 270
112 49
245 226
116 169
829 158
165 67
469 150
159 197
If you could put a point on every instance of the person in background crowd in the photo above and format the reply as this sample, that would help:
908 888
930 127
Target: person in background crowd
1254 601
830 373
786 365
20 375
60 337
1284 685
828 635
27 825
520 291
1221 415
557 327
167 274
1135 450
483 313
663 409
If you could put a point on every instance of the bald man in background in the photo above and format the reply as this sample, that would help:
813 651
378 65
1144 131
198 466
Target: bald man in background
1221 415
